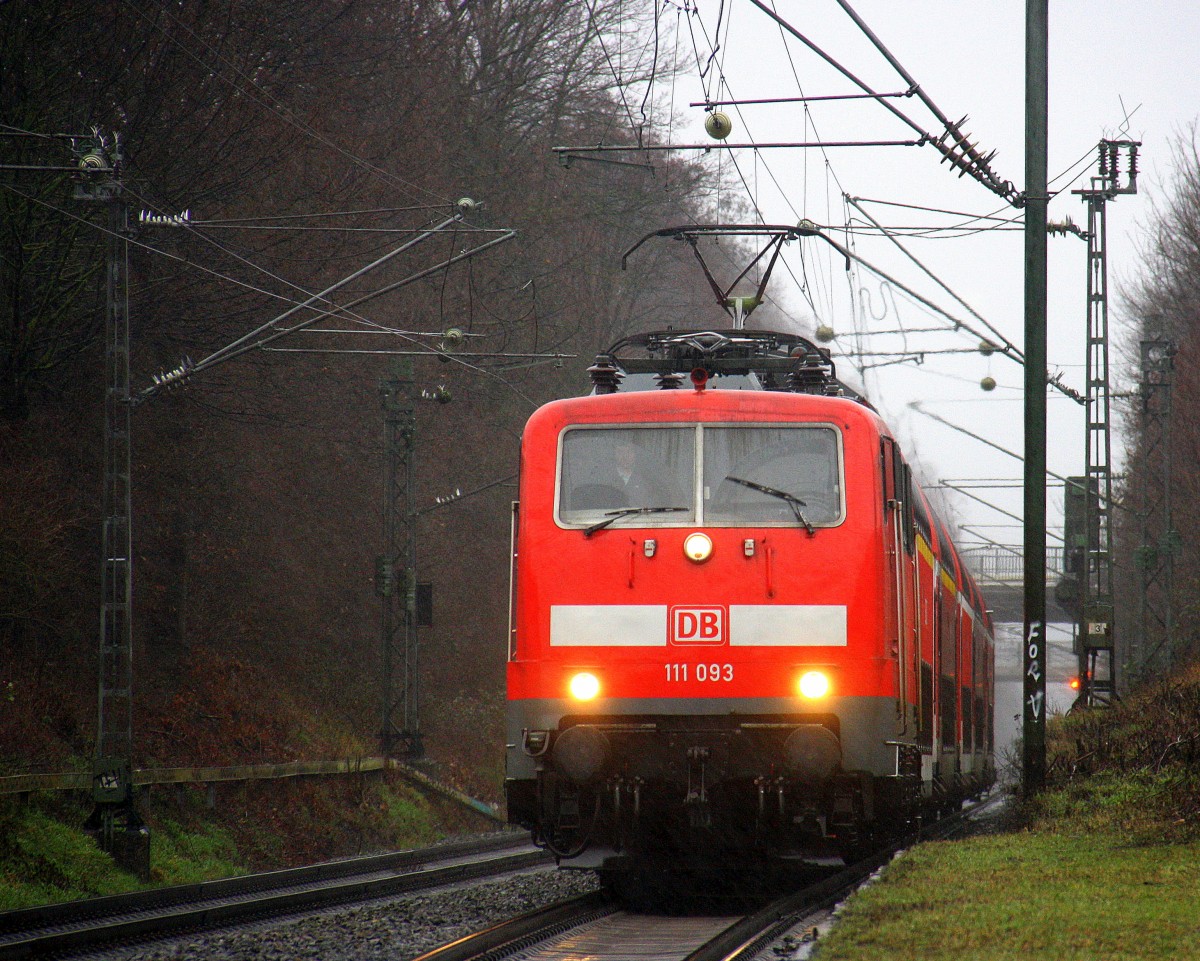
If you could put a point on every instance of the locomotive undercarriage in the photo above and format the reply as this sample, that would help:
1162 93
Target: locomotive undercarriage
689 789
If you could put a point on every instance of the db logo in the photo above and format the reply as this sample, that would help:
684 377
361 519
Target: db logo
698 625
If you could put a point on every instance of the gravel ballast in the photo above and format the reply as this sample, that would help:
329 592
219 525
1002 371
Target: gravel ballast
397 929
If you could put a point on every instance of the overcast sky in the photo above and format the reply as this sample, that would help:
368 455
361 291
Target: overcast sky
1117 69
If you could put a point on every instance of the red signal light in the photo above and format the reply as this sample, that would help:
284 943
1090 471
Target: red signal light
1075 683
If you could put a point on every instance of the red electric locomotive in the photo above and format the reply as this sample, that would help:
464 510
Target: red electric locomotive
737 627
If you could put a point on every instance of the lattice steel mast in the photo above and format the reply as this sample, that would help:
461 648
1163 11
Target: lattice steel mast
1096 648
115 819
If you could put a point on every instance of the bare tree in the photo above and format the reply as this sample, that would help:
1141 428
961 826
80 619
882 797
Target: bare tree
1165 302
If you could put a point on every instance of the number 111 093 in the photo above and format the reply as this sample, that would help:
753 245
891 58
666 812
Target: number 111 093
683 672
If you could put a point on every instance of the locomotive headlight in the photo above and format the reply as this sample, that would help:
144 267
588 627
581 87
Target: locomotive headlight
697 546
584 686
814 684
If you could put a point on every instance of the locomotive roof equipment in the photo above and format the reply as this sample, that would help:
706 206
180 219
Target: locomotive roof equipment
731 359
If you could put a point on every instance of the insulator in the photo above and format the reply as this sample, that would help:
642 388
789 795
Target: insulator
93 161
670 381
441 394
606 376
170 378
809 377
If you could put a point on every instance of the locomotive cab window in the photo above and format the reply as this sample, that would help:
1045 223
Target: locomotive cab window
723 475
646 471
771 475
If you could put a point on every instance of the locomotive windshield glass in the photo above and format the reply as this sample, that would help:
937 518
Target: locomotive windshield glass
644 471
717 474
767 475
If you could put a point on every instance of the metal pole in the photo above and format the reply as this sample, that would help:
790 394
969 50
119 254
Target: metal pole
1036 123
396 569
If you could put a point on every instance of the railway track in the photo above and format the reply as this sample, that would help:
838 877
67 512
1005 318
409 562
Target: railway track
79 926
596 926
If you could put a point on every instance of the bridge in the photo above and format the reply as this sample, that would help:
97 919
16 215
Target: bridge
1000 571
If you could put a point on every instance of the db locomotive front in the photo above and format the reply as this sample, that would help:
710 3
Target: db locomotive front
737 629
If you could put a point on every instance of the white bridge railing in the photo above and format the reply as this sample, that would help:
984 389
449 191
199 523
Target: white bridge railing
1006 565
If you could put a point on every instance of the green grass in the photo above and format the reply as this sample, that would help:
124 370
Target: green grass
1030 894
44 860
1105 865
411 815
45 856
181 856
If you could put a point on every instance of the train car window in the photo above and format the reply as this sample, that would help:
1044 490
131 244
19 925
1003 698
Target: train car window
910 495
931 531
886 454
646 469
920 517
949 712
771 475
968 717
926 734
980 678
948 666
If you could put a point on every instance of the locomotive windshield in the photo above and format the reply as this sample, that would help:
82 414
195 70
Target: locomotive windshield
725 475
613 468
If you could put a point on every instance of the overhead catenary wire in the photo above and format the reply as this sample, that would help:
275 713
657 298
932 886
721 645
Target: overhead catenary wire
186 368
986 503
633 125
862 85
1007 349
803 287
273 105
957 323
1007 345
920 409
189 227
133 241
962 154
980 166
784 25
251 342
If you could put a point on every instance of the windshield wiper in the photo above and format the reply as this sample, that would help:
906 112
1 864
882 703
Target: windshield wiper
793 501
610 516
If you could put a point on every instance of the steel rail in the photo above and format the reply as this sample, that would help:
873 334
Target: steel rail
525 930
565 930
84 925
746 938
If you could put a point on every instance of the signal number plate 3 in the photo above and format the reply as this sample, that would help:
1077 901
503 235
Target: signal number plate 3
703 672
